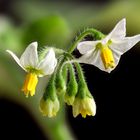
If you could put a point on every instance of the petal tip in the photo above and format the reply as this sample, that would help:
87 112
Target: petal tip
123 22
51 50
34 43
8 51
124 19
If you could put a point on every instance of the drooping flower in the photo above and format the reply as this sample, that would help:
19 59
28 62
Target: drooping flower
105 53
29 61
84 103
84 106
49 107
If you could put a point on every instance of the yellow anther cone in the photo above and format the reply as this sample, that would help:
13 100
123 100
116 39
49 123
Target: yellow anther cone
107 58
30 83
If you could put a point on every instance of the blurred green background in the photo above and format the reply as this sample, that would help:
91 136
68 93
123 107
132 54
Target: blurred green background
56 23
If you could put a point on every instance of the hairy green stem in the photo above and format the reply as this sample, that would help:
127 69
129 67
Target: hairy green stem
78 67
95 33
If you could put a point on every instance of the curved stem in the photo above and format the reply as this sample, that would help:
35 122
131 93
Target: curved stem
95 33
80 72
78 67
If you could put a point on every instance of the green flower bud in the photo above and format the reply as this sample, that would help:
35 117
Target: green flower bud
65 73
84 106
49 103
50 91
72 87
49 107
84 103
83 90
82 85
60 83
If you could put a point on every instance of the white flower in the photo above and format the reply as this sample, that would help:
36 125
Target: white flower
84 106
105 53
29 61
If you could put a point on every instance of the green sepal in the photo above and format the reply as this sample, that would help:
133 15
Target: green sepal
60 83
50 91
72 86
83 90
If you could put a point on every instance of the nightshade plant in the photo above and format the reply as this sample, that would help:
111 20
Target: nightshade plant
66 75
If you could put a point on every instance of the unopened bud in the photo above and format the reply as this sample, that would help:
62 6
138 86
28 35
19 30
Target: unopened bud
72 86
49 107
49 103
60 83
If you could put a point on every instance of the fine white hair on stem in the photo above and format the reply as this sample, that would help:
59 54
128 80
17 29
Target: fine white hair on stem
68 62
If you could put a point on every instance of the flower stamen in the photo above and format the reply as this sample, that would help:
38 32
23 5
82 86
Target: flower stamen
107 58
30 83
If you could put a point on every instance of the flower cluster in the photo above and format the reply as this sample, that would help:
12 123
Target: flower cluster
67 80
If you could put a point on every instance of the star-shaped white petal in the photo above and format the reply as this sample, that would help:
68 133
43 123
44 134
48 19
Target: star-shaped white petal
115 41
29 60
